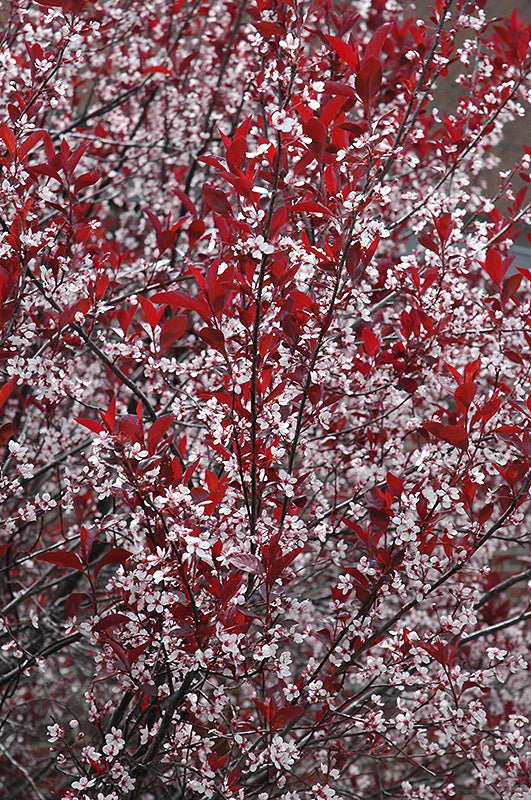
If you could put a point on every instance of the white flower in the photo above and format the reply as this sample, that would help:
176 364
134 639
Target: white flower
283 754
83 783
282 123
114 742
259 246
55 732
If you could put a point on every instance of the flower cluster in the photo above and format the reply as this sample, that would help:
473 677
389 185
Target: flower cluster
264 383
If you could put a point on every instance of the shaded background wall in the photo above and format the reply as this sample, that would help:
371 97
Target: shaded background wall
515 134
447 95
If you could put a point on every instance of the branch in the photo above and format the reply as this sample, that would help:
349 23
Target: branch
500 587
500 626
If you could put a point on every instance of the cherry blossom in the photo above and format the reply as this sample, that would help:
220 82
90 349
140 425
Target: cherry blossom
264 384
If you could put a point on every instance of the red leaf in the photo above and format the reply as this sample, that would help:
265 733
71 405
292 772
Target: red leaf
212 162
427 242
342 89
111 620
100 768
444 225
440 652
161 69
91 424
315 393
75 158
130 427
236 153
311 207
491 408
152 314
72 603
157 431
485 513
109 416
135 652
116 555
230 587
344 51
374 48
315 129
369 79
157 227
216 200
9 140
101 286
371 343
68 314
213 338
277 566
286 715
269 29
246 562
30 142
87 537
172 330
395 484
87 179
453 434
62 558
464 395
471 370
6 390
511 286
181 300
495 266
190 469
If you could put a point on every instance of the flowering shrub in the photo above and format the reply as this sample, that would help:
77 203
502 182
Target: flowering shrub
264 377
